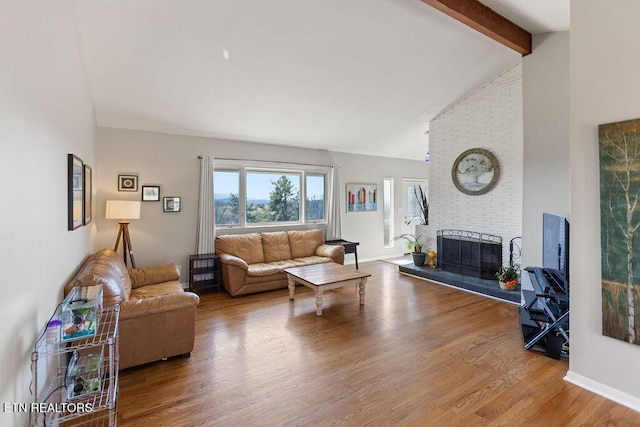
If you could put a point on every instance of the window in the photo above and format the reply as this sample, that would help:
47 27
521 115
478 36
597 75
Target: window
251 195
314 203
272 197
387 211
226 196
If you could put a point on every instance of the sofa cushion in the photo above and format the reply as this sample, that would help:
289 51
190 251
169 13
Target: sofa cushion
262 269
245 246
161 289
314 259
287 264
276 246
160 298
154 275
267 269
304 243
104 268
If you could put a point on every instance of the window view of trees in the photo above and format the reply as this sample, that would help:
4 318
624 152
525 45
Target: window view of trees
226 190
269 197
315 198
272 197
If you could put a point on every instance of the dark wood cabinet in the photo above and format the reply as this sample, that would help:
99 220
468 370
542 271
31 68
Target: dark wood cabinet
204 271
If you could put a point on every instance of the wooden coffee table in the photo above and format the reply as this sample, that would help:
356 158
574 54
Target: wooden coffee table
321 277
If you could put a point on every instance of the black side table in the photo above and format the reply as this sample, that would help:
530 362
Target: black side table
349 247
204 271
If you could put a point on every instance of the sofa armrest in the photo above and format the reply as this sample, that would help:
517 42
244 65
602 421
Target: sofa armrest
153 275
330 251
234 260
141 307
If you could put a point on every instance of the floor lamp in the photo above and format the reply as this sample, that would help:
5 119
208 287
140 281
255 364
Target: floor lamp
123 210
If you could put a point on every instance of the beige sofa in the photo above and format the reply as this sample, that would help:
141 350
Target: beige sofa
157 317
255 262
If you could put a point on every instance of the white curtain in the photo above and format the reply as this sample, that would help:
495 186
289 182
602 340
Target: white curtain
334 225
206 233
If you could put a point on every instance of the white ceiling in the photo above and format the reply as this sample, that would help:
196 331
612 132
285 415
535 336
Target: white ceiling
359 76
535 16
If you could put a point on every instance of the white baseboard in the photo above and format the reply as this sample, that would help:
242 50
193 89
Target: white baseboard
603 390
393 256
350 260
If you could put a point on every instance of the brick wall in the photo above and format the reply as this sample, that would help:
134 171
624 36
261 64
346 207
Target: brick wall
489 118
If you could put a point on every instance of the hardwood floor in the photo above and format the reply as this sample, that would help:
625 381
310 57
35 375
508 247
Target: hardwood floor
415 354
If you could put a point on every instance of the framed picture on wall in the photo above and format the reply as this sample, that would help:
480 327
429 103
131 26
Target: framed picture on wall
150 193
127 182
74 191
171 204
362 197
86 194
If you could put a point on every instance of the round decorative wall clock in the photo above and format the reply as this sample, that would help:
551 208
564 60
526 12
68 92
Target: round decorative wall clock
475 171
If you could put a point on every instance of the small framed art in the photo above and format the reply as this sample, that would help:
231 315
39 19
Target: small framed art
171 204
86 195
150 193
127 182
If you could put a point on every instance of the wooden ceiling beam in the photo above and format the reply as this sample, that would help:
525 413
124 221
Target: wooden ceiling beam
483 19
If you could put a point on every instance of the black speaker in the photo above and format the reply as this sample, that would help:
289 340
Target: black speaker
554 344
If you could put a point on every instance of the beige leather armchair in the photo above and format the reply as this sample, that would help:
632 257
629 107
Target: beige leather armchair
157 317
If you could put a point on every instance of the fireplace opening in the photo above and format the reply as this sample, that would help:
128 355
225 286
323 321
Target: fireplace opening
469 253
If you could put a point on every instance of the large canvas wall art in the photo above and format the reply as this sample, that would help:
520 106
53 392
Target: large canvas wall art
362 197
619 145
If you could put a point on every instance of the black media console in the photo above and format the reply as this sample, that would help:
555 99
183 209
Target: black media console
544 315
470 253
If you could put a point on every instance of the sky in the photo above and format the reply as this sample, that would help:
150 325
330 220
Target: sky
259 184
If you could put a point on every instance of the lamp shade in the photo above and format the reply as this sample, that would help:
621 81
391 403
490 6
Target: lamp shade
122 209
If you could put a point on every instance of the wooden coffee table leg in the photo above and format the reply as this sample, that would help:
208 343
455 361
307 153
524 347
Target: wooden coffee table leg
292 287
362 283
319 301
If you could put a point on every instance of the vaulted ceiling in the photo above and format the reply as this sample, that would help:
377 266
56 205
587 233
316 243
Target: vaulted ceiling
359 76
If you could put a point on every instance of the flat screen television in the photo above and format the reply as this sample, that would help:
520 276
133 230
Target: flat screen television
555 247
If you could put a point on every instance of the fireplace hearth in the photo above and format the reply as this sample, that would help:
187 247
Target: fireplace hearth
469 253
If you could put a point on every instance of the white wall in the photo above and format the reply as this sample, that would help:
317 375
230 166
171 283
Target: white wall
170 161
604 88
367 227
546 139
45 113
489 118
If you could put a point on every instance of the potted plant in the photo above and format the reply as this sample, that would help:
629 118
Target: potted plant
507 277
415 247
